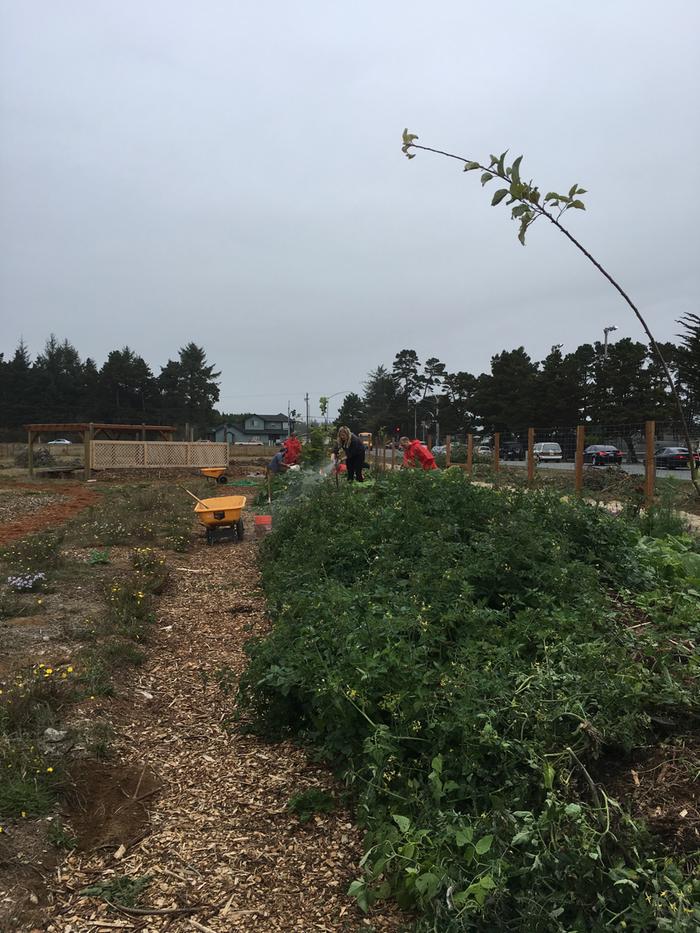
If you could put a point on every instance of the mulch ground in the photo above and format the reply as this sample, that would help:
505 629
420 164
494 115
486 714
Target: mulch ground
221 849
59 502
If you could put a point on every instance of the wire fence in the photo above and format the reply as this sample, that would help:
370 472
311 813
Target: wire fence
644 448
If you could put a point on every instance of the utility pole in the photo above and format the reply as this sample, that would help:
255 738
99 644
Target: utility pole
306 399
289 418
606 331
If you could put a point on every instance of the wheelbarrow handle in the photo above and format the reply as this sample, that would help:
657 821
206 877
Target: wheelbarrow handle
194 497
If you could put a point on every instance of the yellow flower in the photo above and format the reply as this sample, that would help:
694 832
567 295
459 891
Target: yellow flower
49 770
70 670
24 814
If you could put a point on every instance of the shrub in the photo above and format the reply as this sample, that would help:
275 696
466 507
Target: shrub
459 653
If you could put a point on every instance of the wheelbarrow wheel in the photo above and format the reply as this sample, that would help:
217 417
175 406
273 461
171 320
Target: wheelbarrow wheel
240 529
210 536
222 479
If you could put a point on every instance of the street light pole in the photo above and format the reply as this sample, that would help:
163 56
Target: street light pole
606 331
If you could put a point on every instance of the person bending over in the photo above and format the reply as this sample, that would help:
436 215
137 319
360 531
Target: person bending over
416 454
354 451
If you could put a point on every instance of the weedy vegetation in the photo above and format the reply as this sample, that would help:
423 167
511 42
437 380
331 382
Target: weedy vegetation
470 658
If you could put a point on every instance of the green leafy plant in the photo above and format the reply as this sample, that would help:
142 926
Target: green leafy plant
309 802
121 890
462 655
98 557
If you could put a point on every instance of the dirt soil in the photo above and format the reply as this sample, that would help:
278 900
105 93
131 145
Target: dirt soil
66 500
27 862
222 850
659 785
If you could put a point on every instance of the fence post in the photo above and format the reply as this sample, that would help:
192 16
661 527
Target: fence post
30 453
650 463
383 454
393 455
470 452
530 456
88 437
496 452
580 445
448 450
429 443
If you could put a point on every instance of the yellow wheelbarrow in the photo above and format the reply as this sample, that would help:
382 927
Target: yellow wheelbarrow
218 474
221 517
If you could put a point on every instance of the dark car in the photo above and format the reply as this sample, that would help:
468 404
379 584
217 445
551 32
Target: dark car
512 450
675 458
602 455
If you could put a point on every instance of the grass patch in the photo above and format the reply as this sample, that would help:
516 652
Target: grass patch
137 514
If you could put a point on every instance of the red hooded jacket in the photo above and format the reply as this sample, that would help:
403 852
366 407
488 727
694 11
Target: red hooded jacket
417 454
292 450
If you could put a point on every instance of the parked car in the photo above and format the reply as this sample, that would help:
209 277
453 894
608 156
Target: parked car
675 458
512 450
547 451
484 450
60 440
602 455
439 449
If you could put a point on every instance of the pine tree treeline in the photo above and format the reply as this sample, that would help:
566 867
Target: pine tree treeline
60 387
625 388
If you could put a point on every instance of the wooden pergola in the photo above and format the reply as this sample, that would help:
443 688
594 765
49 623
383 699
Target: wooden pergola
89 431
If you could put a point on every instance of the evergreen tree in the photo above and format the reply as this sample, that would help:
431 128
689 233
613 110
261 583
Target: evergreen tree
57 382
688 357
383 400
505 399
127 389
352 413
189 387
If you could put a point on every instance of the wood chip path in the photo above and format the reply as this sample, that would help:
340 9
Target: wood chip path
221 841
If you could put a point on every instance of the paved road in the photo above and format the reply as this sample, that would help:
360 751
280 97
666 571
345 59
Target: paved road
634 468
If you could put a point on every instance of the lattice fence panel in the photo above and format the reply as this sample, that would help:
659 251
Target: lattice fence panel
126 455
117 455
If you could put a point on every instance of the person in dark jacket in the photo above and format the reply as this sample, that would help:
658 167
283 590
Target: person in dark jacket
354 451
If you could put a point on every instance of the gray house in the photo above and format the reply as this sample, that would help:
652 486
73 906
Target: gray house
256 429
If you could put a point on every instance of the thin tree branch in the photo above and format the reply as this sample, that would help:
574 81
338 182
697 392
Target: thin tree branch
540 210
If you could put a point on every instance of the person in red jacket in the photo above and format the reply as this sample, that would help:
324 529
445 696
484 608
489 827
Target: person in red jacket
292 449
416 454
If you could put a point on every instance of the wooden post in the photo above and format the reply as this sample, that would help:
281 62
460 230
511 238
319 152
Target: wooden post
580 446
88 433
383 454
429 443
470 452
530 456
376 457
393 455
650 463
30 453
448 450
496 452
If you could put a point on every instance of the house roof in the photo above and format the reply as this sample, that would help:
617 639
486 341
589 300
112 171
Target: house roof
279 417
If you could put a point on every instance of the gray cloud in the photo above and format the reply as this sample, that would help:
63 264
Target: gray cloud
231 173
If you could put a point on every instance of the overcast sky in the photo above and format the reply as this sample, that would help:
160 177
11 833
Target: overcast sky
231 173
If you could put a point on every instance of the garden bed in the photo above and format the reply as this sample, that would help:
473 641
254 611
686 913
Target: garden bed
467 657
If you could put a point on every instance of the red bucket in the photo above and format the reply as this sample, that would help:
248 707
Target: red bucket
263 524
